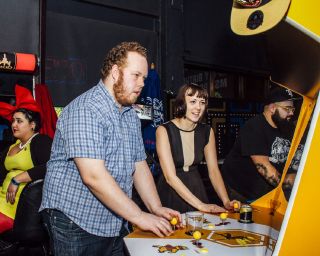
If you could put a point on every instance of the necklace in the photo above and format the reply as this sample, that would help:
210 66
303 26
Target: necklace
28 141
182 127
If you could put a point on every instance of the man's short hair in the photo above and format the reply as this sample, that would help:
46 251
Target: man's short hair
192 89
118 56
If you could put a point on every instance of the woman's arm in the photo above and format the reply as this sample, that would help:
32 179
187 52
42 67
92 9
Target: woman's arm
210 154
40 148
169 172
14 184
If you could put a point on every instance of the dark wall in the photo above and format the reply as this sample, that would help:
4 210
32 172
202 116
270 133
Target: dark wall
172 45
176 32
209 40
198 33
79 33
78 36
295 58
20 32
151 7
20 26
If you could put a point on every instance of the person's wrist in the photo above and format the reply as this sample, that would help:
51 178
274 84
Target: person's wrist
226 203
14 182
201 207
155 209
136 219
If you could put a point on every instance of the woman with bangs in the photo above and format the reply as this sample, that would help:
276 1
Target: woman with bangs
182 143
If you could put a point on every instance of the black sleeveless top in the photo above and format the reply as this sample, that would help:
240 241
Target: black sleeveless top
187 149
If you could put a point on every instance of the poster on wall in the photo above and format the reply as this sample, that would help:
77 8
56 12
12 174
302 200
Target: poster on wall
222 85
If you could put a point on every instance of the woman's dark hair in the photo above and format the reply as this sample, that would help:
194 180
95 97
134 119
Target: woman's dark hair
190 90
31 116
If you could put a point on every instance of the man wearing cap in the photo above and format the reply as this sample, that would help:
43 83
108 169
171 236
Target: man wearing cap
254 165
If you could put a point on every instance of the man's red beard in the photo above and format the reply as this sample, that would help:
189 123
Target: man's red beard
120 94
119 91
118 88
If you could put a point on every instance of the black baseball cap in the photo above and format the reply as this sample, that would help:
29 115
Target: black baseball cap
278 94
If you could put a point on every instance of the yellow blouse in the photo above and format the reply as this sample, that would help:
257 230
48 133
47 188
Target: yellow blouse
15 165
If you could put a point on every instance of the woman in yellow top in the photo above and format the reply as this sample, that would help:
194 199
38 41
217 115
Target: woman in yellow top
22 162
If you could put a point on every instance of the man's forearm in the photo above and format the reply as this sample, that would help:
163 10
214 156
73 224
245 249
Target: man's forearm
270 174
145 186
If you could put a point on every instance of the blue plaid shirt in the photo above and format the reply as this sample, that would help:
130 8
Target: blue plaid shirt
92 126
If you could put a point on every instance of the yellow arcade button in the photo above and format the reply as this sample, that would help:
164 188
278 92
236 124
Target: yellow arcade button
223 215
211 226
174 221
196 235
204 250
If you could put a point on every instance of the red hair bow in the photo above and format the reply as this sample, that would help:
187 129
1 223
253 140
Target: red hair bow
24 99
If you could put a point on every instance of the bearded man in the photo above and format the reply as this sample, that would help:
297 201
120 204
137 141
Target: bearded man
255 163
97 155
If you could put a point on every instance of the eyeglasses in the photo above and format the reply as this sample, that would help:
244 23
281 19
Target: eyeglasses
288 109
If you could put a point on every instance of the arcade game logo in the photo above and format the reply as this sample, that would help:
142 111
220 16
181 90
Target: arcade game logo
7 61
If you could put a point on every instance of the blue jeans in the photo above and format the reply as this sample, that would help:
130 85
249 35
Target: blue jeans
68 239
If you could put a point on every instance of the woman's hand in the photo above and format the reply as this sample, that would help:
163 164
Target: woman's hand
211 208
11 193
229 205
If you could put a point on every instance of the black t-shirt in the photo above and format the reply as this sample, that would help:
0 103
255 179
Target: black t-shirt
257 137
